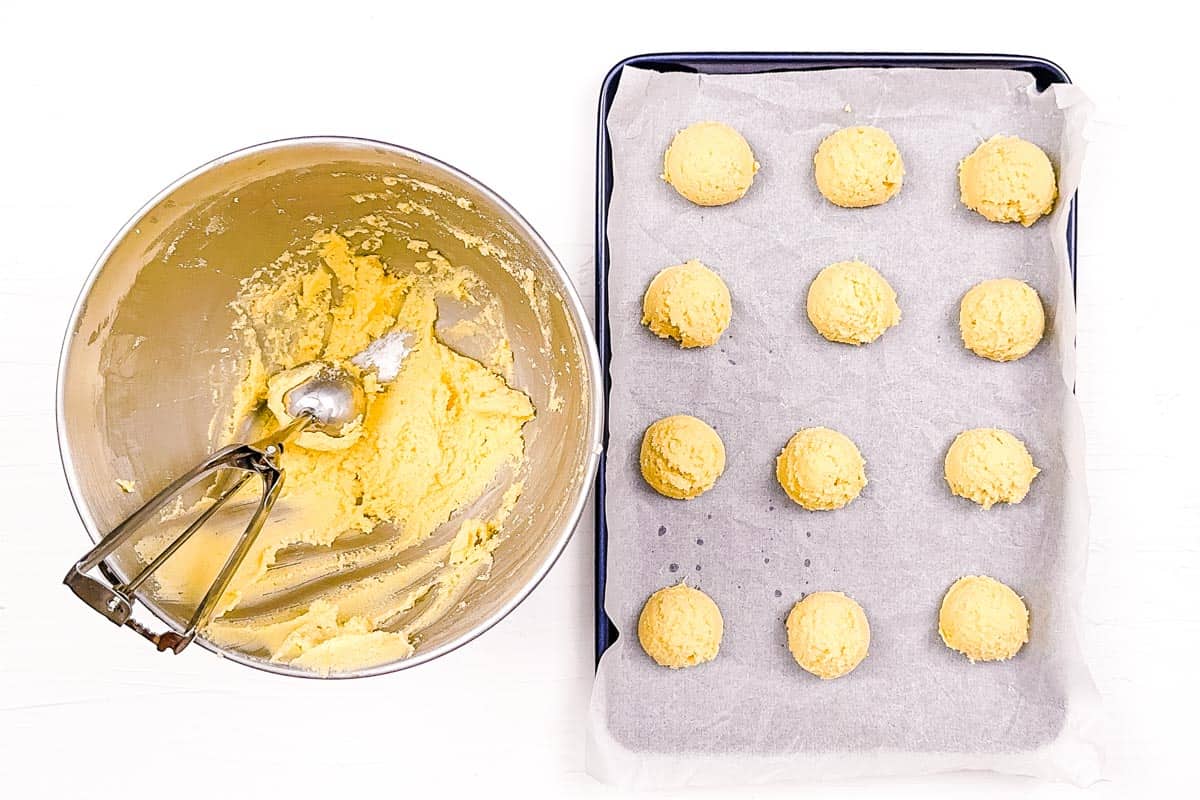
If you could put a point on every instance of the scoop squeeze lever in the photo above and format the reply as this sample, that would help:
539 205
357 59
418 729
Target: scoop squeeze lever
327 402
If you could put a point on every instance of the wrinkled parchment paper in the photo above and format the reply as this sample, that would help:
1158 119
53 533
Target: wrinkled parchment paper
912 706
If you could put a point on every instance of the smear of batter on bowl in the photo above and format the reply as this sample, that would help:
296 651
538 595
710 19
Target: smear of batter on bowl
356 545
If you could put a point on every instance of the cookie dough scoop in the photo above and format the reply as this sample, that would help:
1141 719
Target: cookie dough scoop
328 400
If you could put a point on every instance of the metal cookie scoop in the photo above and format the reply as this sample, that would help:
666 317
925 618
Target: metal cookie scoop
327 402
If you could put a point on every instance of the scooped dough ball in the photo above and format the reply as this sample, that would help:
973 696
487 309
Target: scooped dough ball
828 634
821 469
989 466
1001 319
850 302
1008 179
680 627
682 457
858 167
983 619
688 303
710 164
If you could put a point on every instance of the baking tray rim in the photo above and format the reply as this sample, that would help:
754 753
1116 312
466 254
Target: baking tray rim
1045 71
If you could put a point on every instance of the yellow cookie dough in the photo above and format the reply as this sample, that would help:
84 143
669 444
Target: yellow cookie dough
983 619
828 634
431 442
1001 319
821 469
850 302
1008 179
709 163
682 457
989 466
858 167
680 627
688 303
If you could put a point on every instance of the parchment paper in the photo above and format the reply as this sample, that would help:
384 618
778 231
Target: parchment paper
912 706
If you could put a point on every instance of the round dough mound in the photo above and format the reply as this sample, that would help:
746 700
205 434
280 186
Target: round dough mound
682 457
858 167
1008 179
850 302
983 619
1001 319
680 627
828 634
710 164
688 303
989 466
821 469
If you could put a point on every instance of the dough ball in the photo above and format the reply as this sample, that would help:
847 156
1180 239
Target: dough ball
1001 319
983 619
821 469
279 384
858 167
682 457
688 303
828 634
1008 179
989 466
710 164
680 627
850 302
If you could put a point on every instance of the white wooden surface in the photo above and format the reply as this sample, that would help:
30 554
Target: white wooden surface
103 105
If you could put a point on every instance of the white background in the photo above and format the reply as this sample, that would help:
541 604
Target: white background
103 105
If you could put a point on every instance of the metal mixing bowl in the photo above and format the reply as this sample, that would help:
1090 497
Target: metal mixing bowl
152 328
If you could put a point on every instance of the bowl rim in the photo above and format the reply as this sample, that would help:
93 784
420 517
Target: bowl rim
574 305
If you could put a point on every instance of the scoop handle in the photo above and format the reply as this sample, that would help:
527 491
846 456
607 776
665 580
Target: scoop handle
114 600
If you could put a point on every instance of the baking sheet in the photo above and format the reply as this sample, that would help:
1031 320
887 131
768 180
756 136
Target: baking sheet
913 705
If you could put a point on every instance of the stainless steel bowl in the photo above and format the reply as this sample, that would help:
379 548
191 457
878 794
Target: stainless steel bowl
152 327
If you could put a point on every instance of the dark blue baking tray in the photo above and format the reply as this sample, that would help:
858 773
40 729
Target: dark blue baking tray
1044 72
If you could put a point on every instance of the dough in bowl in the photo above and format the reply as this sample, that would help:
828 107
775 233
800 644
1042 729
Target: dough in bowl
828 634
1007 179
688 303
1001 319
710 164
680 627
682 457
983 619
821 469
858 167
851 303
431 443
989 466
